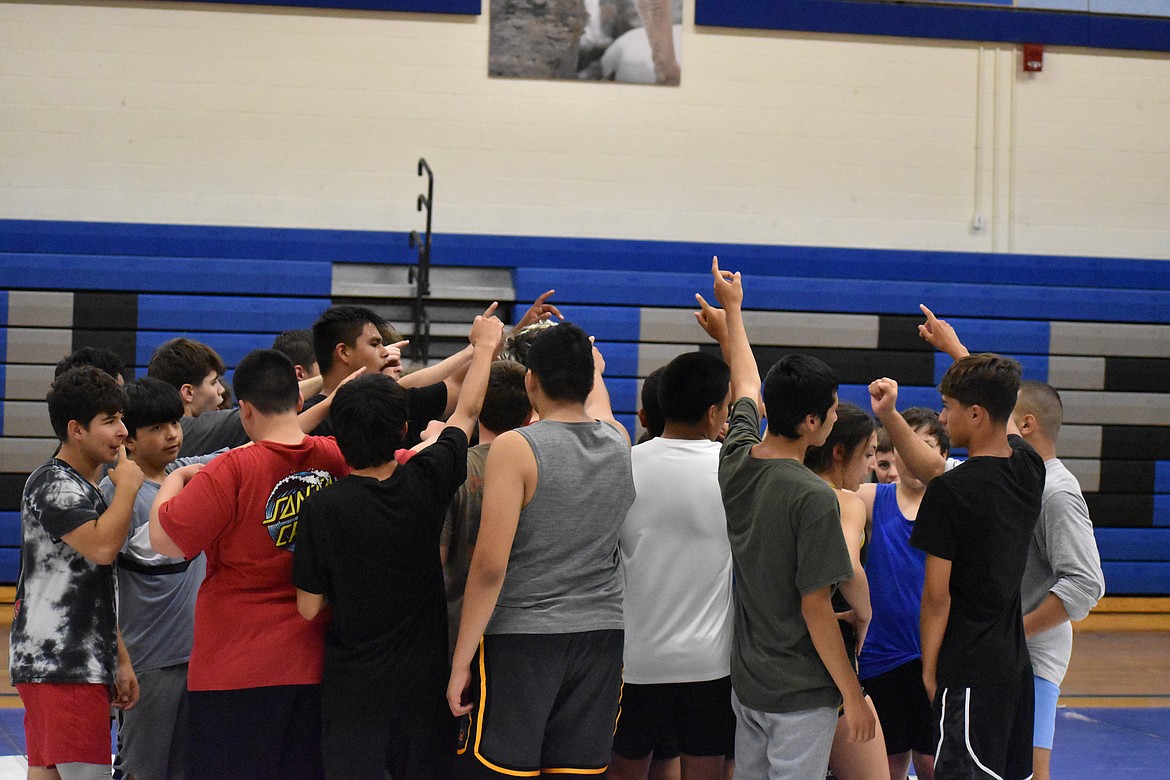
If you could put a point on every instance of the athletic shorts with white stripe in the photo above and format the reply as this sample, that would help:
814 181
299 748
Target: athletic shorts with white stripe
986 731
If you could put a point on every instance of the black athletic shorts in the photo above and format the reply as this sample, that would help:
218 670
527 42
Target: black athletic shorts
698 715
986 731
271 733
542 702
907 719
418 745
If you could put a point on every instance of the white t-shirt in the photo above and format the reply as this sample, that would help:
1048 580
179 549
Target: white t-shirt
677 563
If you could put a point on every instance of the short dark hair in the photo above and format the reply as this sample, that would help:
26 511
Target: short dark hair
853 429
505 404
150 401
184 361
985 379
367 415
341 325
795 387
97 357
651 409
691 384
920 418
1042 402
561 358
82 394
267 380
517 344
883 442
297 346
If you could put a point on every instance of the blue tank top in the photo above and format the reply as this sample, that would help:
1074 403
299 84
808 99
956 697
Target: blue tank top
896 572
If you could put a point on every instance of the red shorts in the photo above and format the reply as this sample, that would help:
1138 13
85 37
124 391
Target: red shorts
66 723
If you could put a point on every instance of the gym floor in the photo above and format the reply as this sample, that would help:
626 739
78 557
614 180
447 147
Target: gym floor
1113 721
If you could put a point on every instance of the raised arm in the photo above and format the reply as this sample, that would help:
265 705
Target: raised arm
487 333
100 539
597 405
925 461
745 374
310 418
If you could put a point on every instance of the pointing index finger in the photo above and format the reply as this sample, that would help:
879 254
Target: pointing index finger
929 314
491 309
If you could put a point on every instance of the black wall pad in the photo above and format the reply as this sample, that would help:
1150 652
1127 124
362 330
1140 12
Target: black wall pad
1137 375
11 489
105 311
1125 442
898 331
1127 476
856 366
1112 510
123 343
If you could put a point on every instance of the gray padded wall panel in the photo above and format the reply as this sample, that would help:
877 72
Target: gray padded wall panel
40 309
1082 406
27 382
38 345
1079 441
857 331
26 418
1076 373
1109 339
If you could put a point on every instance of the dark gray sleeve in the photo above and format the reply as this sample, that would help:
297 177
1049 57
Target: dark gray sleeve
212 431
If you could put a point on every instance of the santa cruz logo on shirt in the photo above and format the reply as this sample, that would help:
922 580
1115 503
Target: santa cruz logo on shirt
284 505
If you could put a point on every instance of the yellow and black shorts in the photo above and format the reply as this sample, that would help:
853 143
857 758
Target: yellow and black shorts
542 703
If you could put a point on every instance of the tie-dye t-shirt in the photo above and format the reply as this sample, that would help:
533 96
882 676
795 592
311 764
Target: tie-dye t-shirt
64 628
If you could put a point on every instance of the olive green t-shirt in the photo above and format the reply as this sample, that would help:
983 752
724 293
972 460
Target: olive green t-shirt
784 525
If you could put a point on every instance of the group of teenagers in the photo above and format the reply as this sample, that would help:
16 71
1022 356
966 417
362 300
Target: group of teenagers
467 571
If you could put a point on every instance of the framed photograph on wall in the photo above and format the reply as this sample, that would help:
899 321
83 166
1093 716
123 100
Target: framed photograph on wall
629 41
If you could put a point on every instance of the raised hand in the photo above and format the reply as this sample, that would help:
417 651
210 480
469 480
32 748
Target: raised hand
883 396
728 286
539 311
940 335
712 320
126 472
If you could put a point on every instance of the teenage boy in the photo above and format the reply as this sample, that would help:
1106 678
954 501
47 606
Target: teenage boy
890 664
505 408
542 613
254 707
789 667
97 357
975 524
675 551
66 657
1062 578
156 594
368 548
297 346
348 338
885 470
196 371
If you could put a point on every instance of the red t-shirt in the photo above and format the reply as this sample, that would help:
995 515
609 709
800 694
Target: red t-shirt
242 511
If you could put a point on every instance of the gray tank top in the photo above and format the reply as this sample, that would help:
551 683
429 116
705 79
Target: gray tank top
564 573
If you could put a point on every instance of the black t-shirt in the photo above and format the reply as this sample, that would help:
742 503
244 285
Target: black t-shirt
980 516
372 548
423 405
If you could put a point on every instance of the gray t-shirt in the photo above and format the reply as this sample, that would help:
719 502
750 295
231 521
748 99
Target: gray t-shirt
156 594
564 575
64 628
212 431
784 525
1062 559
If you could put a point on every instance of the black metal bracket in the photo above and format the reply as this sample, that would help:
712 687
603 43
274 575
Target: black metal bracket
420 344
